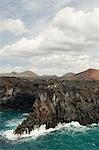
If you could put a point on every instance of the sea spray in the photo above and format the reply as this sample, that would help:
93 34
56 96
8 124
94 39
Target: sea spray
13 122
34 134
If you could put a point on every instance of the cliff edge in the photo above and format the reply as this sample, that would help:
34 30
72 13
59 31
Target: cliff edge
50 101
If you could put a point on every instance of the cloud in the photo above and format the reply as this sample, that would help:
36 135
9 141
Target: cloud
70 30
23 48
73 30
84 4
13 26
37 5
69 42
59 63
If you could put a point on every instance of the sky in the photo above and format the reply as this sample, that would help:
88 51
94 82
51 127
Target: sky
49 36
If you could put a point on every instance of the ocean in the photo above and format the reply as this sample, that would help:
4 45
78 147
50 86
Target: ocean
70 136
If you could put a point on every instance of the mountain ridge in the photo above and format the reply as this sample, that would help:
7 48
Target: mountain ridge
89 74
68 75
19 74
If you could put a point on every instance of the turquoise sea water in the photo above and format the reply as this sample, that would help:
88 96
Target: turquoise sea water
71 136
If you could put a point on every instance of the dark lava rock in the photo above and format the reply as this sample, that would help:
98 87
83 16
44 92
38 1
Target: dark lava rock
16 93
63 101
50 101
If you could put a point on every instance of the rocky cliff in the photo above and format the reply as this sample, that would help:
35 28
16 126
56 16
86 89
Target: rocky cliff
67 101
16 93
51 101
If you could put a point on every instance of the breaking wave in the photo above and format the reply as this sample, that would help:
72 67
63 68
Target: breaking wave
13 122
68 127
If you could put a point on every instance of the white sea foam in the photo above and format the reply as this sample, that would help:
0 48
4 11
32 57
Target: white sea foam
25 114
13 122
73 126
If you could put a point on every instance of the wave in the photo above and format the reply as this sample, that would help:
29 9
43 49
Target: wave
16 121
13 122
25 114
69 127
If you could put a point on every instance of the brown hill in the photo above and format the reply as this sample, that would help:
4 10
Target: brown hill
68 75
90 74
25 74
48 77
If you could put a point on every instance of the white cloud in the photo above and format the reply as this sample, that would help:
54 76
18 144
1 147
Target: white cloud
69 42
74 30
23 48
13 26
59 63
70 30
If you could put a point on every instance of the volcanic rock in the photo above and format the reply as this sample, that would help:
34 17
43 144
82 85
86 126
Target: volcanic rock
90 74
67 101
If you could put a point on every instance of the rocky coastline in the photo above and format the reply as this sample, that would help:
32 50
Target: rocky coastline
50 101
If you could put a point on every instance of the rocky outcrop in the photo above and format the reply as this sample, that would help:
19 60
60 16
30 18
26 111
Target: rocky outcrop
50 101
63 101
16 93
